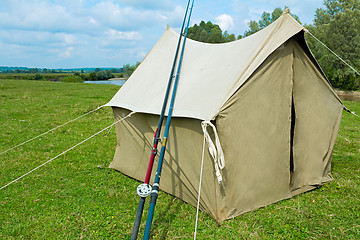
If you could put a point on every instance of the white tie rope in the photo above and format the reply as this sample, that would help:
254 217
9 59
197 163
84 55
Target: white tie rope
332 51
216 152
53 129
198 200
129 115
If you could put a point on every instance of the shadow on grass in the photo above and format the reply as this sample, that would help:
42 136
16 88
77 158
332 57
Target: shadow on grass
162 223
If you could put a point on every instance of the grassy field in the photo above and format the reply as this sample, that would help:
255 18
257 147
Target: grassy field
77 197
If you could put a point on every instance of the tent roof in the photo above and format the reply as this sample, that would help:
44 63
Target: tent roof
210 73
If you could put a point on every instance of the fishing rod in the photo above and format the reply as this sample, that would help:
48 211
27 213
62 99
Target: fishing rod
155 189
144 189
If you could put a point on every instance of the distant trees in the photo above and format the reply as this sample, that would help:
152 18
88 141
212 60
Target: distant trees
38 76
33 70
45 70
74 78
338 26
212 33
128 69
90 74
98 74
266 19
209 33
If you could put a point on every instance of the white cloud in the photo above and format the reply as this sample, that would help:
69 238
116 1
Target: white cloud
112 32
225 21
39 15
37 38
141 55
93 21
44 15
148 4
67 53
127 18
69 39
117 35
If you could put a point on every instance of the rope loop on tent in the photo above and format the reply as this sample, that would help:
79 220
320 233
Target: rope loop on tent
43 164
215 150
198 200
53 129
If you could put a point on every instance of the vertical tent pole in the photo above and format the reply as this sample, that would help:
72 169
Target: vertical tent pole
154 192
144 189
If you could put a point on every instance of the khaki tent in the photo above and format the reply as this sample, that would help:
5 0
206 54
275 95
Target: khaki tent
266 109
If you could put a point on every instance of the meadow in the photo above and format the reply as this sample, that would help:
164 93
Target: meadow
78 197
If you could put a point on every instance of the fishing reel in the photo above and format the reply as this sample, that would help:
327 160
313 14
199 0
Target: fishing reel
144 190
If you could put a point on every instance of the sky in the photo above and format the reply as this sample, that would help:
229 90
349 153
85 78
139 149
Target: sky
110 33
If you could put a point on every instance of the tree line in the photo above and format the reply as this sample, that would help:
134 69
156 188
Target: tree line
68 75
46 70
337 25
212 33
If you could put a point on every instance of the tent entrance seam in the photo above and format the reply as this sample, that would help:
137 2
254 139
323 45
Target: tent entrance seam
292 135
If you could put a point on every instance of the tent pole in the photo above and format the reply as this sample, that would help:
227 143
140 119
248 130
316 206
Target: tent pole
144 189
154 192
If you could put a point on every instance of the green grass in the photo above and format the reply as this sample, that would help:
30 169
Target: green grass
77 197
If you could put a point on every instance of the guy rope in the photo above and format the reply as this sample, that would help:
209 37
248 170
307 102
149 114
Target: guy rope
69 149
51 130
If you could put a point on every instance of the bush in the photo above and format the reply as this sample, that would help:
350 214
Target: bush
99 75
75 79
38 76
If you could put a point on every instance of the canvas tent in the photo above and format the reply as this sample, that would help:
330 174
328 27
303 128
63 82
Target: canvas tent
267 107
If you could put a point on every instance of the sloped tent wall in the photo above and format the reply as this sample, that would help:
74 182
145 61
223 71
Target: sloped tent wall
254 128
318 113
263 163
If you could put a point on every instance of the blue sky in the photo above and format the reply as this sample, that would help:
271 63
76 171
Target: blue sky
111 33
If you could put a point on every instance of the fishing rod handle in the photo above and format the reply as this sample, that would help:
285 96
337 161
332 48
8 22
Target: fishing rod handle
138 218
154 196
155 190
